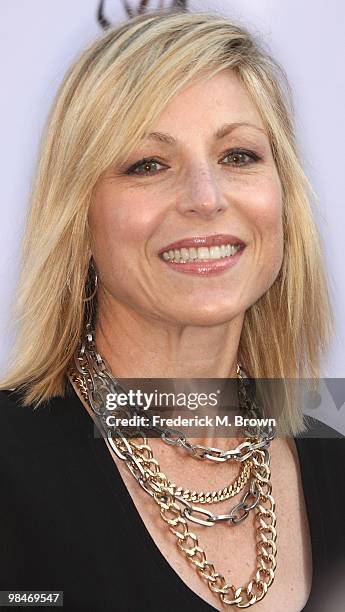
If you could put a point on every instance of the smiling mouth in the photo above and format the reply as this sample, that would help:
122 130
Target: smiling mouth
186 255
203 261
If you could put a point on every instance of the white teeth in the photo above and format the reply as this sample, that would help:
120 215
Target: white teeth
215 252
185 254
201 253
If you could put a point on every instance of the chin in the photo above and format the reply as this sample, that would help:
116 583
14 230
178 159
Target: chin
209 316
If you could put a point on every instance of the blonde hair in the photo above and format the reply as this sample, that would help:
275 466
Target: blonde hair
109 99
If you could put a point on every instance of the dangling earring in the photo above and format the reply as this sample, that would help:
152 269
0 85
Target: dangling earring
95 282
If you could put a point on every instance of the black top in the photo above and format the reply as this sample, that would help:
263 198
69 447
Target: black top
67 521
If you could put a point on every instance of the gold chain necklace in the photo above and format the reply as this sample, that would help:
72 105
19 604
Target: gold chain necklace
138 457
212 497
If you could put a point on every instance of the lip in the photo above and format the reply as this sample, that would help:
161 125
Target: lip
207 267
196 241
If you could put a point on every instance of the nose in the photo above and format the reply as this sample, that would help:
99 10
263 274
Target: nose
201 195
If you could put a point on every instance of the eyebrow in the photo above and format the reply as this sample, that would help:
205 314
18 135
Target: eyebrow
223 131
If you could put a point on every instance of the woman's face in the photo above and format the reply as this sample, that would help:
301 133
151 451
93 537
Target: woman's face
211 173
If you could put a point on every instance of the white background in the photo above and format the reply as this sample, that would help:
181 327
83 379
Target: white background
38 41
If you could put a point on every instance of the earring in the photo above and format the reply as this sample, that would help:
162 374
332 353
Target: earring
95 282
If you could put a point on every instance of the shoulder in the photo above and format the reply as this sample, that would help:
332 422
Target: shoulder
318 429
13 410
28 428
321 449
14 415
12 405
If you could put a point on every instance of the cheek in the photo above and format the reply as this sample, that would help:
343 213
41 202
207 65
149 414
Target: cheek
263 208
263 197
262 204
119 223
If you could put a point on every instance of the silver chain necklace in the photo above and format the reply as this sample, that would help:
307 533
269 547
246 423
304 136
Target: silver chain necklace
99 382
96 379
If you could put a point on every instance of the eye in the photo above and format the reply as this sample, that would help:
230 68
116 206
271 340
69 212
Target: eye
143 167
241 157
148 165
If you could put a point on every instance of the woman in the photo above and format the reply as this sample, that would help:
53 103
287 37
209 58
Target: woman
170 236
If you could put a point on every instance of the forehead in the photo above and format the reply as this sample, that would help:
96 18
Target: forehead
210 101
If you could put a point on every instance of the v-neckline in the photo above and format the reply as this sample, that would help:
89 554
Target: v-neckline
108 465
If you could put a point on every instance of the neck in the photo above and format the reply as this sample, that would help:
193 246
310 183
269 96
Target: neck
138 347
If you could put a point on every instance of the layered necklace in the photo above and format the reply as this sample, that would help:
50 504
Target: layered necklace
178 506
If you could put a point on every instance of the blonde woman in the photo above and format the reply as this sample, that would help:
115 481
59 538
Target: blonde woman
170 236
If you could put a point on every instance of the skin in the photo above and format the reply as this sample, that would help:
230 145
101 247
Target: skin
196 189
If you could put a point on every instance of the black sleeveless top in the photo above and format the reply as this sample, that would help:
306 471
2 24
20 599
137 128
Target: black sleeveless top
68 523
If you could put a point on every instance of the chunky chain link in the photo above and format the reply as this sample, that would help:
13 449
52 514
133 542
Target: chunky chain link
92 376
188 543
98 381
